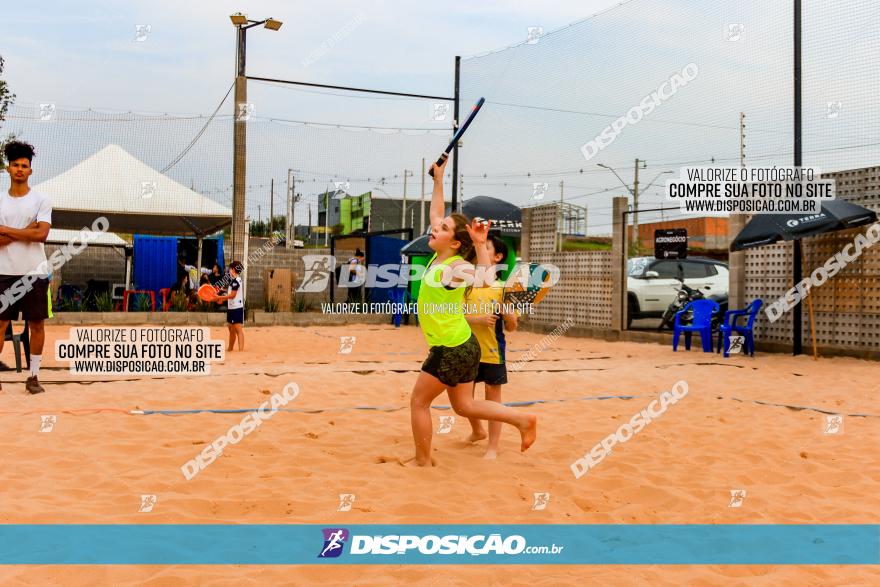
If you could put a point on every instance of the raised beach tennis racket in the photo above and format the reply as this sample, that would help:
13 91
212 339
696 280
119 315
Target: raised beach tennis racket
208 292
515 292
459 133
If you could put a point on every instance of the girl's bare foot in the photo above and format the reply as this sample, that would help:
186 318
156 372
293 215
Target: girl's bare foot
412 462
529 432
477 436
490 455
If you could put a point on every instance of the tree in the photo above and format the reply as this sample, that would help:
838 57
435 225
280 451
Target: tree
261 227
6 99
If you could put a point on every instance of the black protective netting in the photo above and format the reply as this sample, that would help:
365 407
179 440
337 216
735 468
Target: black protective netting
546 99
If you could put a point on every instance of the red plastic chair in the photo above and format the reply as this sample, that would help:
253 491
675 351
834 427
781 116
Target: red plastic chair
165 292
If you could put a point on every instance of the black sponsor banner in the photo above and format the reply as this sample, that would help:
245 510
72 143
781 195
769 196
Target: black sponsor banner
671 243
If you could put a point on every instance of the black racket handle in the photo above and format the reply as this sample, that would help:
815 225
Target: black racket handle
440 161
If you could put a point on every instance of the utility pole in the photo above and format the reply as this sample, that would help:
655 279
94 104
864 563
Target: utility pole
241 112
296 198
271 206
239 150
290 233
406 173
422 209
260 217
310 221
326 217
636 239
561 215
735 223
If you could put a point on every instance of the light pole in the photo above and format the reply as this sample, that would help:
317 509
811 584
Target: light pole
652 183
239 135
635 194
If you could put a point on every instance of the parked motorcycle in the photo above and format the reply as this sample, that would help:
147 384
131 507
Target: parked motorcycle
686 295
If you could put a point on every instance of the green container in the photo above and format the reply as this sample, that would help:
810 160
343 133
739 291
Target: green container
415 285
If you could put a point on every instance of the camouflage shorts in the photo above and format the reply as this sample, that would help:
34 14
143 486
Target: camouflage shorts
454 365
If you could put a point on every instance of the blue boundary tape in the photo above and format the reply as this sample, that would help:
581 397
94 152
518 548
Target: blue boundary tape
510 404
373 408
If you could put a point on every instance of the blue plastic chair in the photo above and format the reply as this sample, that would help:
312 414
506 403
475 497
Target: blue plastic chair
397 296
701 323
729 326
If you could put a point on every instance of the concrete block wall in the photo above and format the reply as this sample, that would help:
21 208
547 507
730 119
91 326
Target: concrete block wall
95 262
846 308
584 290
263 255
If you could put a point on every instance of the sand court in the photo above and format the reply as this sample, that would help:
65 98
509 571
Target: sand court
348 428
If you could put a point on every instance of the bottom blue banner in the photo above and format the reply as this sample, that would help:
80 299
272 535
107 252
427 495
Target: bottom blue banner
440 544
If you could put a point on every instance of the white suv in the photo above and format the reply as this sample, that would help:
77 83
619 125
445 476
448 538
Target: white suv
652 283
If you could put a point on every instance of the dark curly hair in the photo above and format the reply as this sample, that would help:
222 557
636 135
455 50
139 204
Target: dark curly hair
18 150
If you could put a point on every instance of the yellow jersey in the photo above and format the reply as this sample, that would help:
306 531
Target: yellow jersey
483 301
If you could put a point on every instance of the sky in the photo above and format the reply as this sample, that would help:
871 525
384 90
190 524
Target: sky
545 99
82 54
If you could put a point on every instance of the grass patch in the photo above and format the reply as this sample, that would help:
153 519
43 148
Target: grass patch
585 246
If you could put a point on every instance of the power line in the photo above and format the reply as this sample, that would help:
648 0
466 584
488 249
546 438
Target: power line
616 116
200 133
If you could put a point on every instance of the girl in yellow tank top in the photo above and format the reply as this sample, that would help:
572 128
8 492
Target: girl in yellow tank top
454 355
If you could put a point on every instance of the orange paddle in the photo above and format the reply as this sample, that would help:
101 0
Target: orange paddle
208 292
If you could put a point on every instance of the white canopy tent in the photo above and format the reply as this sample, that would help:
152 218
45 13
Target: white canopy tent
134 197
58 236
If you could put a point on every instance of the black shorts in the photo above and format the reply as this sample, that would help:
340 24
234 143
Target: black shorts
492 373
235 316
33 304
454 365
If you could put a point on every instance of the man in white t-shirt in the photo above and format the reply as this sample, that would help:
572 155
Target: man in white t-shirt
25 219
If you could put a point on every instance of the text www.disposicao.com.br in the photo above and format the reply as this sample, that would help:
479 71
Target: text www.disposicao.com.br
122 366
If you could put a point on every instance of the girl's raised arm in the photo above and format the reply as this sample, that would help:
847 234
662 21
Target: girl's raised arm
438 206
